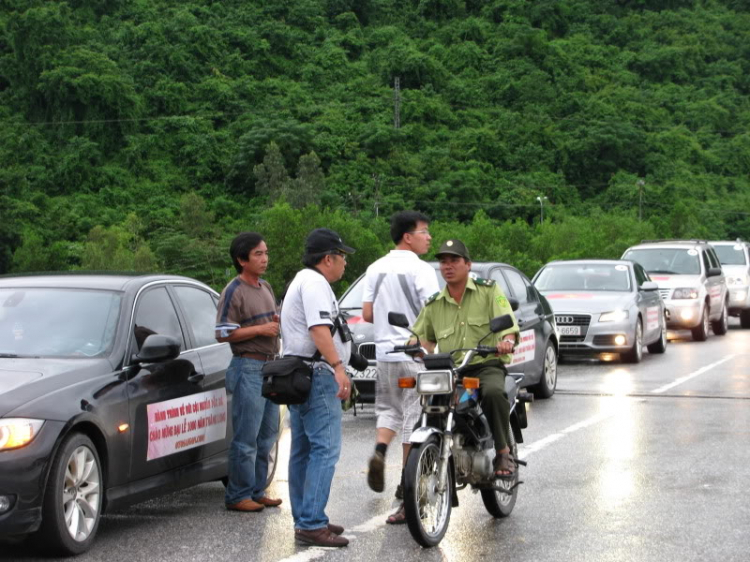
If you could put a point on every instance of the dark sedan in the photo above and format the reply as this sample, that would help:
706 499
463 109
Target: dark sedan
111 392
535 357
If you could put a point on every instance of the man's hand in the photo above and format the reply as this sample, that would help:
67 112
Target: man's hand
269 329
343 381
505 346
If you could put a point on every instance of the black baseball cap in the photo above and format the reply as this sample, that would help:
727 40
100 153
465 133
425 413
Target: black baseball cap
322 240
455 247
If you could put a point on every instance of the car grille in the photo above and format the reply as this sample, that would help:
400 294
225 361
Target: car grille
664 293
368 350
582 320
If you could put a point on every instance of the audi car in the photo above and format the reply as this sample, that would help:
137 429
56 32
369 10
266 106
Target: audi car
535 357
111 392
604 307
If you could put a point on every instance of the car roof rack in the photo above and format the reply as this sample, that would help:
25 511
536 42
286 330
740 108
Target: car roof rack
689 241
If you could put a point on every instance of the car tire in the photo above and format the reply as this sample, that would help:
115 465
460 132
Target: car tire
745 319
660 345
72 505
545 388
700 332
635 353
721 326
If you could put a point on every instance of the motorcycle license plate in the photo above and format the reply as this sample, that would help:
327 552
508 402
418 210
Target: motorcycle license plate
569 330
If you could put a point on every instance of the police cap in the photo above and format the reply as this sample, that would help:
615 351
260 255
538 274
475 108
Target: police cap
455 247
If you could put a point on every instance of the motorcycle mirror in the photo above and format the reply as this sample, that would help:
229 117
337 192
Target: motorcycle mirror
501 323
398 319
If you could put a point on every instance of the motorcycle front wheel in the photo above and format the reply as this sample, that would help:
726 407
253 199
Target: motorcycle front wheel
428 511
500 503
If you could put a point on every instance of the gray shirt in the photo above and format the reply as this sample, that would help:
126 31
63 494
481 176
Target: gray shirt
309 302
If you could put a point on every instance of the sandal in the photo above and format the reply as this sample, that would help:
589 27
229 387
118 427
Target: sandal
398 518
505 466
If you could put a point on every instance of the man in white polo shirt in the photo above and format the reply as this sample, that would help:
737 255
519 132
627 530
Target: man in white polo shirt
399 282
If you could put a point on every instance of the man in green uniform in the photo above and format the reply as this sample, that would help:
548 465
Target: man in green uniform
458 317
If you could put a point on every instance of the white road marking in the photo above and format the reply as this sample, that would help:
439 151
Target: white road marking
537 446
692 375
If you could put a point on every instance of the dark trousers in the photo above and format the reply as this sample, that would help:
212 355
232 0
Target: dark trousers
494 400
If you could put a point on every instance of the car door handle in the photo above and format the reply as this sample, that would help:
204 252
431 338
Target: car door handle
195 378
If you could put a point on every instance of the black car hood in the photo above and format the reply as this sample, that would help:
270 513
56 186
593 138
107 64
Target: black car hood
23 381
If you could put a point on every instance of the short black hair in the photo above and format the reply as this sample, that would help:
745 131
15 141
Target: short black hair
405 221
311 260
242 245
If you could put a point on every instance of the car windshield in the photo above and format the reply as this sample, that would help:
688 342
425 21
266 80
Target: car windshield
730 254
584 277
673 261
57 322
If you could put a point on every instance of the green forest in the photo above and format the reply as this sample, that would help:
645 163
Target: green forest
144 134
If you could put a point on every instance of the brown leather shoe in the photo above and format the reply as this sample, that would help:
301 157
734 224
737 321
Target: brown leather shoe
268 502
320 537
336 529
245 505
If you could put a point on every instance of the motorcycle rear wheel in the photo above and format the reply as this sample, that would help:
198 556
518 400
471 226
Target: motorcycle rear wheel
428 512
500 504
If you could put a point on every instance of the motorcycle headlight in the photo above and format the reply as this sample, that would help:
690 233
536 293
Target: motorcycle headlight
434 382
614 316
18 432
685 293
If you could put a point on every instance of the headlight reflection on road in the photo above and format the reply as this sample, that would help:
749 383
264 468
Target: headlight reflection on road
616 479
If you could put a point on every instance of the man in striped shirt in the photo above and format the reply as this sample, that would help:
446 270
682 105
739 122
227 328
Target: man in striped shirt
248 319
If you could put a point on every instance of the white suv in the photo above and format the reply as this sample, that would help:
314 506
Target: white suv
735 261
691 283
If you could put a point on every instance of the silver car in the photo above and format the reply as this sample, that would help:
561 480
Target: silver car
735 261
604 307
691 283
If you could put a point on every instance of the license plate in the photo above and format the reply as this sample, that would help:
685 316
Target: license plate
569 330
369 373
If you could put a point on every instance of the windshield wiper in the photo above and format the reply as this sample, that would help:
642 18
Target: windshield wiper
9 355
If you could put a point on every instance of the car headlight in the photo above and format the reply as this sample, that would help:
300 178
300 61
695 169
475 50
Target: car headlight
741 280
18 432
685 293
434 382
614 316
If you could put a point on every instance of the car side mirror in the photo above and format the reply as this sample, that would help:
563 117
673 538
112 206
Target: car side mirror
649 286
398 319
513 303
500 323
157 348
714 272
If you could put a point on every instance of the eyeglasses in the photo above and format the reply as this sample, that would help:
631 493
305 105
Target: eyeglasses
337 253
423 231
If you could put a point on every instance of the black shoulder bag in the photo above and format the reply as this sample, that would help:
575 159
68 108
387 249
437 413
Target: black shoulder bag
288 380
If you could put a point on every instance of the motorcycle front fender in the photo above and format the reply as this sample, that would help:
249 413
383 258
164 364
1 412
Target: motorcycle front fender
422 434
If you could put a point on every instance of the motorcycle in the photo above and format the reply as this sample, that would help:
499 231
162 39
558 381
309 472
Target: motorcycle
452 446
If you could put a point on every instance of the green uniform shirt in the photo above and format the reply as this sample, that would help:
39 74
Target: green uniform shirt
452 325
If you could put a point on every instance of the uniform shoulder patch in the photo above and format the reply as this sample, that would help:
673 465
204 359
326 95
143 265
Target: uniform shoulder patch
484 282
431 298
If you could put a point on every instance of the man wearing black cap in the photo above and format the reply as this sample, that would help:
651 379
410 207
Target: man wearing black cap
458 317
308 325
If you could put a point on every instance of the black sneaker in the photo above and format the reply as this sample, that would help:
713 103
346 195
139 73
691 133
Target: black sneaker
376 472
399 492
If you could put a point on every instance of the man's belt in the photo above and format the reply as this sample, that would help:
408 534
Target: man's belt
256 355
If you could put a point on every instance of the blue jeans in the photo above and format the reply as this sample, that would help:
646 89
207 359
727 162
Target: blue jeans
255 422
316 445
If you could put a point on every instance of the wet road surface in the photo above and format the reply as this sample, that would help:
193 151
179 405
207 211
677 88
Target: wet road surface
647 462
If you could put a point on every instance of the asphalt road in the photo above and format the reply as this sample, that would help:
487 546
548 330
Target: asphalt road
648 462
